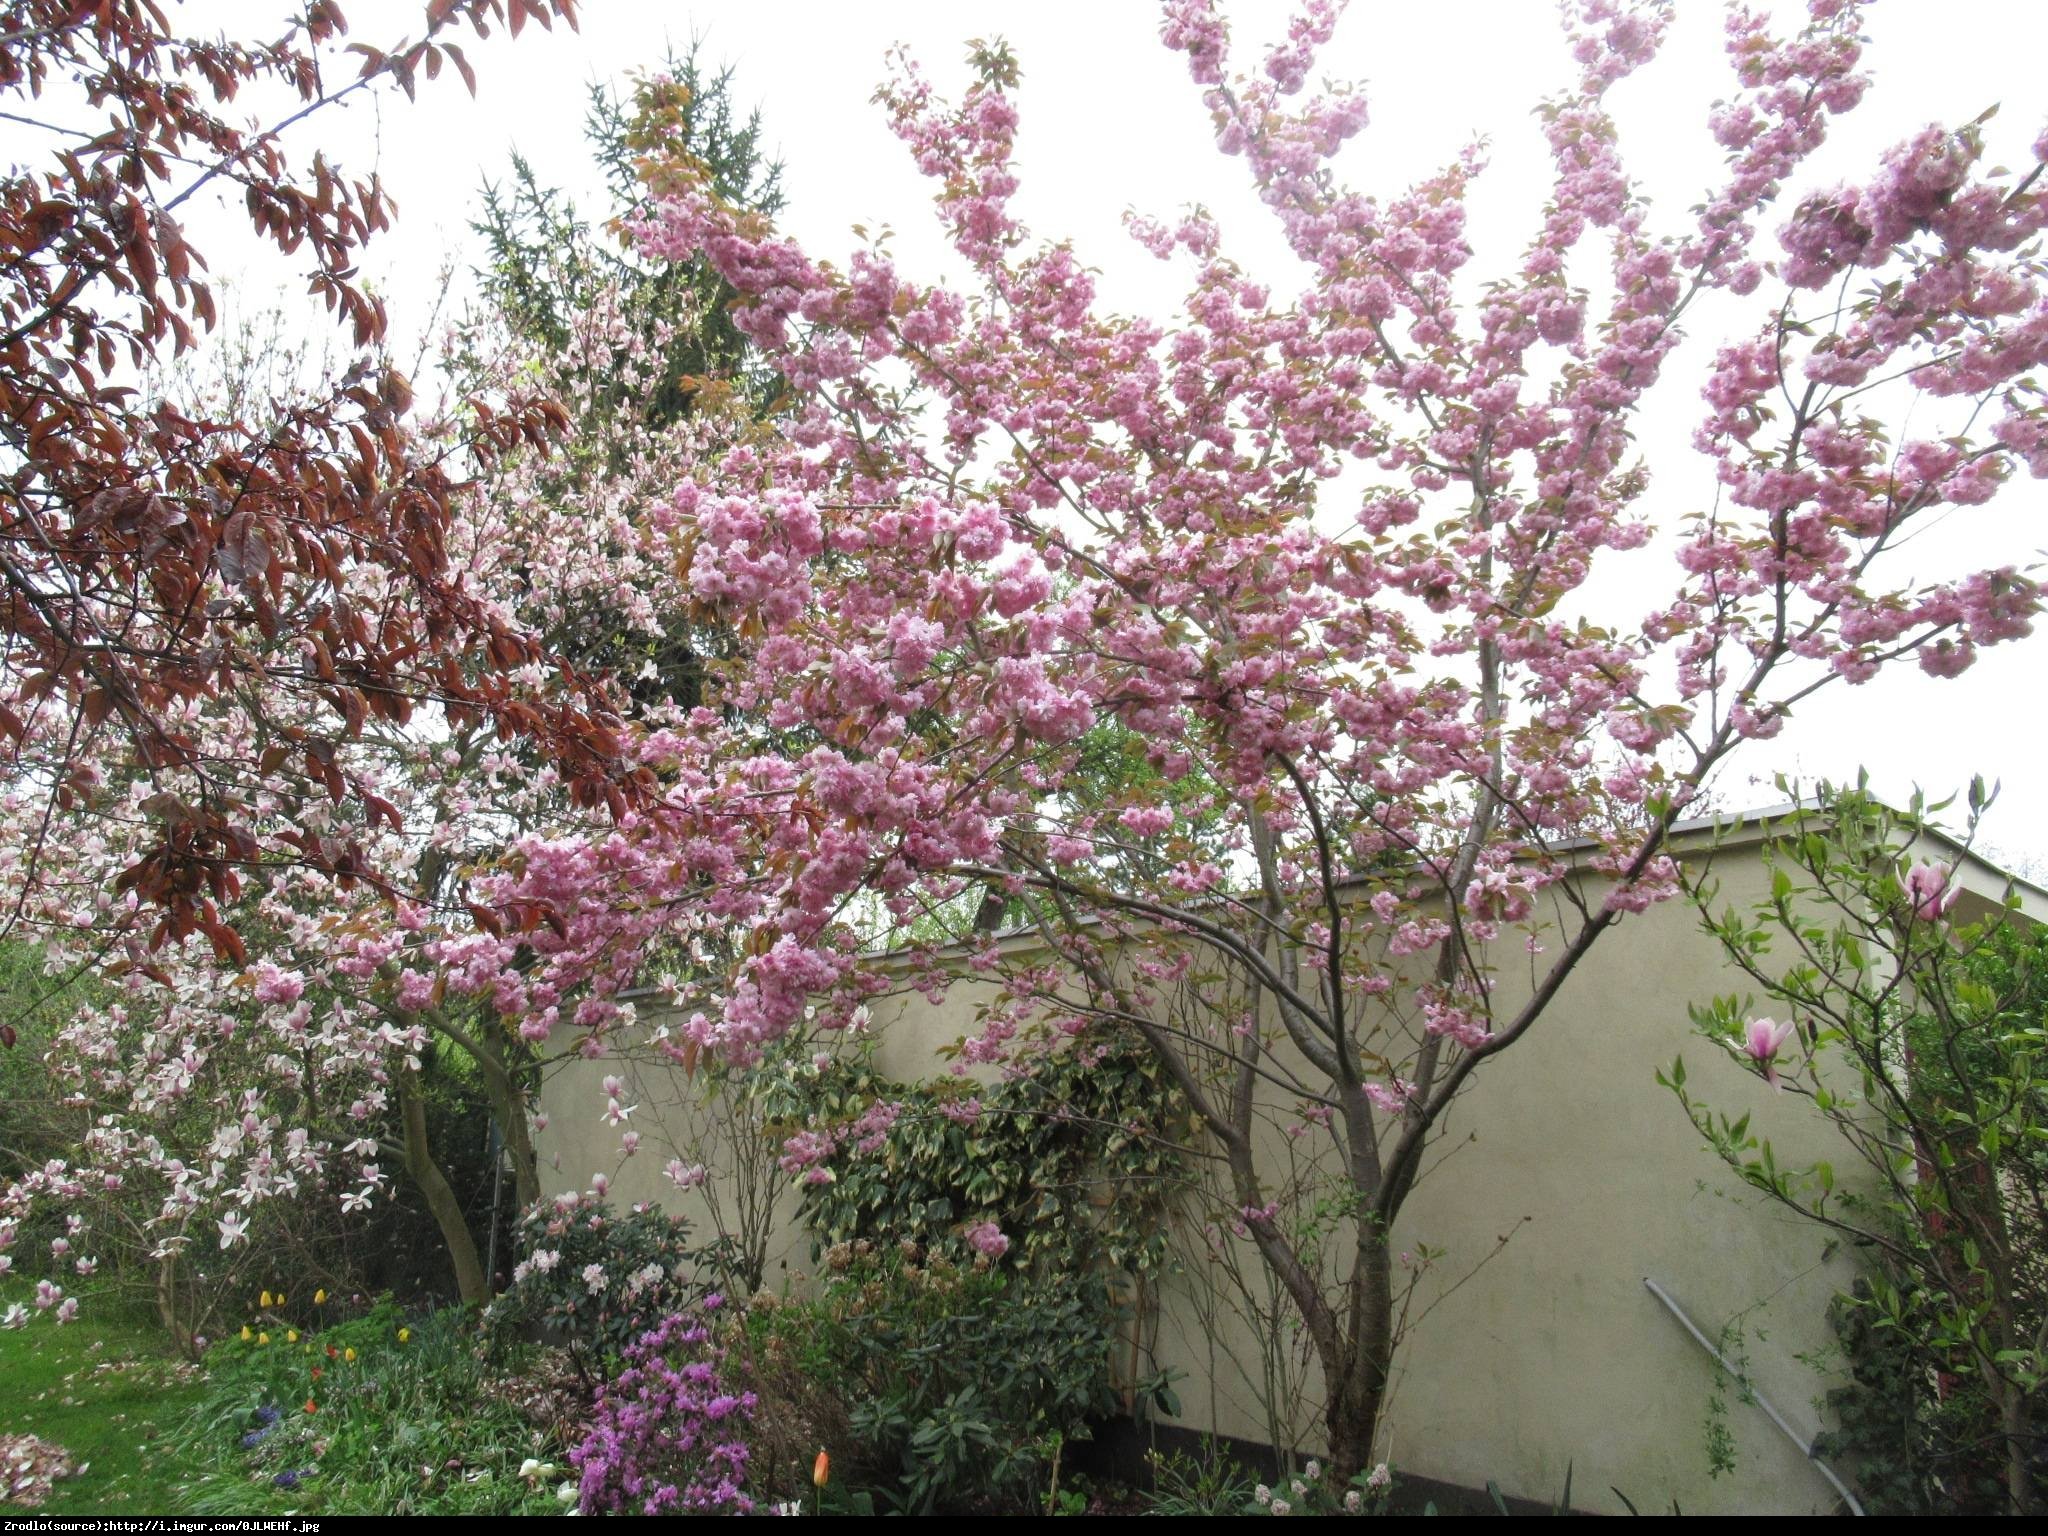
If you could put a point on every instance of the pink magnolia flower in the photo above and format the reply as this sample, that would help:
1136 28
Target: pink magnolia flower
1762 1041
1929 891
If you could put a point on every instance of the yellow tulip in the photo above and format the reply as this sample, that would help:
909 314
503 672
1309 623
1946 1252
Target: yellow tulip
262 1338
291 1336
247 1333
263 1300
320 1297
349 1355
404 1334
280 1298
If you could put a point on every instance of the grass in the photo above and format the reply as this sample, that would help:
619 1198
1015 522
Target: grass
379 1415
413 1424
108 1390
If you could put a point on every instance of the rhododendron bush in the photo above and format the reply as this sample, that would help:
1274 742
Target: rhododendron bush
1314 567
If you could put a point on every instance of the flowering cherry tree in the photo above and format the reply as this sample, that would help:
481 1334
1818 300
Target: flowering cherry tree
1243 661
1316 564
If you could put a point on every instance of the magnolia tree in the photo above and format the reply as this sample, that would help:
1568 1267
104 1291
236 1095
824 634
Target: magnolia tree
1917 1037
345 907
204 604
210 1090
997 524
159 560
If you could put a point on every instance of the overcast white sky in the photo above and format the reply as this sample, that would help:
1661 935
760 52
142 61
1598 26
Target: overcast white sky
1110 122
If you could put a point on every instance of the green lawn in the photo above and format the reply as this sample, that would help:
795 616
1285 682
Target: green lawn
381 1414
106 1389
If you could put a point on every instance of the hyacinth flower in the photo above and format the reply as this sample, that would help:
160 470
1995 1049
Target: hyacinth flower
1929 892
1762 1041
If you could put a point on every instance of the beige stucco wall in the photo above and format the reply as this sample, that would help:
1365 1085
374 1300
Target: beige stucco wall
1520 1359
1555 1353
677 1119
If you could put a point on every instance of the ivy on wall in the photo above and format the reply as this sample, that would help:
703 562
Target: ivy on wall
1077 1162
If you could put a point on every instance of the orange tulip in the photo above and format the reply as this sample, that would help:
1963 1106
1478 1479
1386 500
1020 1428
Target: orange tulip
311 1406
821 1473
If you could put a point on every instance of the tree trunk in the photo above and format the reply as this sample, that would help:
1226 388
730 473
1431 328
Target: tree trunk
508 1103
167 1305
470 1281
1357 1380
2015 1422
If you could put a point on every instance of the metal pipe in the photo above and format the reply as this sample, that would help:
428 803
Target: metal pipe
1805 1446
494 1148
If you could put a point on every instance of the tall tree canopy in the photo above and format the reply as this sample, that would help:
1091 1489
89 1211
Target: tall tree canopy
159 563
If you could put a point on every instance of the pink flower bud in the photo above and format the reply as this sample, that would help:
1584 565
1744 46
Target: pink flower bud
1929 892
1762 1041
